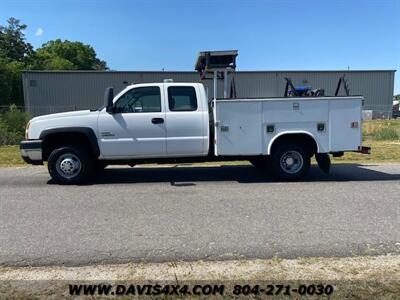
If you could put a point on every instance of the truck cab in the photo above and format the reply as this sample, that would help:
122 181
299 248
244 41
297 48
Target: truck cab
143 121
155 120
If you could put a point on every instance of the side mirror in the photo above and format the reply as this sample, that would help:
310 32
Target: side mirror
108 99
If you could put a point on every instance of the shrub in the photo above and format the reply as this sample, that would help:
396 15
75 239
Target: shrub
12 126
381 130
368 129
15 119
3 133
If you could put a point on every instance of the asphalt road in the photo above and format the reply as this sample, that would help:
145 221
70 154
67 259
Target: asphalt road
188 213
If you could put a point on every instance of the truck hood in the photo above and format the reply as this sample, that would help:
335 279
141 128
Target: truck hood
82 118
63 115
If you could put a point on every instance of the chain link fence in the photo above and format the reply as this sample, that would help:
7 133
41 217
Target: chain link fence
376 114
34 111
7 108
13 118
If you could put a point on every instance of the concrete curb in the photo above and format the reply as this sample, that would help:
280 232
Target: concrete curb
355 268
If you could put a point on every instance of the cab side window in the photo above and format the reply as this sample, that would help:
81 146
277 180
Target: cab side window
140 100
182 98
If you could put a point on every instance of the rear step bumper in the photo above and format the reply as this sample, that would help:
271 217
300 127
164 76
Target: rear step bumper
364 150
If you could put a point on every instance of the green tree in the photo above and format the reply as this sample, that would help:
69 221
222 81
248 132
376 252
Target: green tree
15 53
5 82
397 97
67 55
13 45
11 82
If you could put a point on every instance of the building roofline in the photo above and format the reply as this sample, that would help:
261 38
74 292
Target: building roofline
100 71
315 71
191 72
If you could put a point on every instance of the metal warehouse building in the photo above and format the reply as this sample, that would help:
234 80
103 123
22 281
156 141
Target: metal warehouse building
56 91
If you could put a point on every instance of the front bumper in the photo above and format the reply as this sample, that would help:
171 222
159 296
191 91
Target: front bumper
31 151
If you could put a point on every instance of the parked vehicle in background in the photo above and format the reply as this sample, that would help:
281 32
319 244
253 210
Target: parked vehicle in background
396 109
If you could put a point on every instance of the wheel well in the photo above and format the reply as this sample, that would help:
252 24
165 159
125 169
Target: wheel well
301 139
55 140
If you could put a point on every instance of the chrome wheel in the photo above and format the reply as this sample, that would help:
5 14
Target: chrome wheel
291 162
68 165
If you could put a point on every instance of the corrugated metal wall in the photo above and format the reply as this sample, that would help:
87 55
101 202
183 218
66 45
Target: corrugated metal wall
48 92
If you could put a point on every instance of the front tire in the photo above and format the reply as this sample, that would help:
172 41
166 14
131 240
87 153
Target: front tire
290 161
69 165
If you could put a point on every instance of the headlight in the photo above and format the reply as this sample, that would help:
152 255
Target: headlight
27 130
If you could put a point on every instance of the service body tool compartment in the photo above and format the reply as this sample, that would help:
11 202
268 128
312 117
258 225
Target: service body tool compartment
251 126
345 132
238 127
296 116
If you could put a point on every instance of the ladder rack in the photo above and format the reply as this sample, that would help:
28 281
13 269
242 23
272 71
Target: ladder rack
216 63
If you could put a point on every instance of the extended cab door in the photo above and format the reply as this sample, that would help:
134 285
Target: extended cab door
137 128
186 119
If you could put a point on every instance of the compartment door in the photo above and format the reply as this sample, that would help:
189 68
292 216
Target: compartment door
238 127
342 114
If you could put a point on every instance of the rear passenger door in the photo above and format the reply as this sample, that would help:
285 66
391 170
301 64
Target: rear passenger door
184 120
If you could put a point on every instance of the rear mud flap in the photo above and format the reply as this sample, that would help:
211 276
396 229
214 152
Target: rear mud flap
324 161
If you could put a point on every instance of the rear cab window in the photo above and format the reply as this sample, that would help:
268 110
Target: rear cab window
182 98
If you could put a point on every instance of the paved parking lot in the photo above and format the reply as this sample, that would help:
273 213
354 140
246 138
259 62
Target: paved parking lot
188 213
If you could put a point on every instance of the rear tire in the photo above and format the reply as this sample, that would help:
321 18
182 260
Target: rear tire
69 165
290 161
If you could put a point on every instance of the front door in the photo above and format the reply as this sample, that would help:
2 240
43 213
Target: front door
137 128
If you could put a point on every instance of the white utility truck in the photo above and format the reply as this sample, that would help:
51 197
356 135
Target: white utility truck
175 122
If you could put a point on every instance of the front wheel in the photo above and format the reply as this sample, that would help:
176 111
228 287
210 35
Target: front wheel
69 165
290 162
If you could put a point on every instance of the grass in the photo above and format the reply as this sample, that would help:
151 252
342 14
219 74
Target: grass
381 130
383 136
382 151
10 157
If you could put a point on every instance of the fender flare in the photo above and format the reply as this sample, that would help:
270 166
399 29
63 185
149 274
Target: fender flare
289 133
88 132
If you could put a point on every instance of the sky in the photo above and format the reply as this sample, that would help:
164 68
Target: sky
270 35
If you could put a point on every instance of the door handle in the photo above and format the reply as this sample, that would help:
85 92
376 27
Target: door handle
157 120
